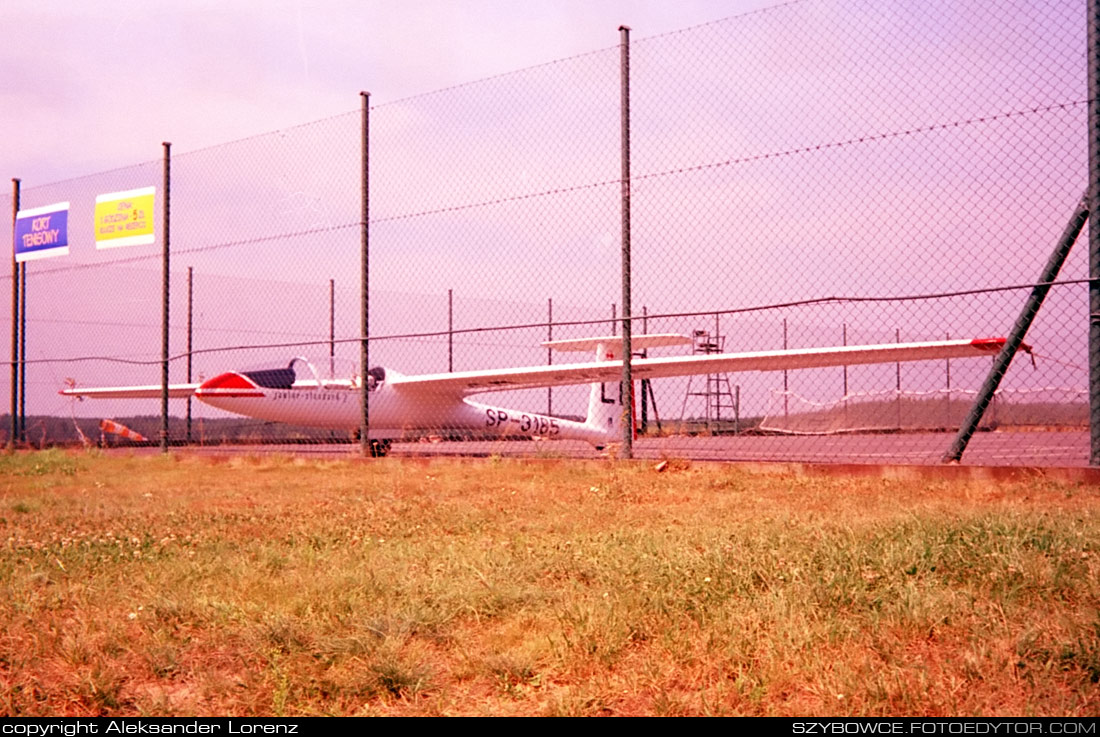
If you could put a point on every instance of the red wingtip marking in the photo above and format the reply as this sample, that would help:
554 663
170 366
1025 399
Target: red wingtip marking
994 345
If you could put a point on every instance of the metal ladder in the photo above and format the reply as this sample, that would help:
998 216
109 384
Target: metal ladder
717 392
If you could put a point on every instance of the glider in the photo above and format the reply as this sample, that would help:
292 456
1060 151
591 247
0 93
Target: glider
434 402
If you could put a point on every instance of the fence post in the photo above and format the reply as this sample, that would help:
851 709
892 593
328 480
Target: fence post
190 324
364 240
331 329
14 319
897 368
786 386
23 352
947 376
164 298
450 331
627 382
1093 205
1019 330
737 410
549 353
644 423
844 342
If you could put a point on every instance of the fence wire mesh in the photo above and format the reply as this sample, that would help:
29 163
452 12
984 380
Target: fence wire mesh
815 174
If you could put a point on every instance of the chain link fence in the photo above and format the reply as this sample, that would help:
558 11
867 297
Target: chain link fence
814 174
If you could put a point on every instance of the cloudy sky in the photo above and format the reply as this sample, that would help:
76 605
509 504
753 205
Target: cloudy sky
100 84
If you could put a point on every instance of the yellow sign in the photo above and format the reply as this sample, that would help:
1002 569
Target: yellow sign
124 218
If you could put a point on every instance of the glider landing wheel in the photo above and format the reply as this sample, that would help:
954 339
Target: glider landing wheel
380 448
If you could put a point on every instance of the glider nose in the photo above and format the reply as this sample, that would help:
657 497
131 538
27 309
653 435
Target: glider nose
229 385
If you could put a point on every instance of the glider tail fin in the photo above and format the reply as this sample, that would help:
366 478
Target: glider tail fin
604 412
605 409
605 402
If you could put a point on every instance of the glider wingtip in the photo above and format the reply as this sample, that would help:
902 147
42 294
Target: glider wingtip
994 345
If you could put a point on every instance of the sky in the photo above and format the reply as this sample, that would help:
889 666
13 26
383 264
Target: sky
97 85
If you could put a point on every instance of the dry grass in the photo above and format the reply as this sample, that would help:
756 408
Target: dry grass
281 586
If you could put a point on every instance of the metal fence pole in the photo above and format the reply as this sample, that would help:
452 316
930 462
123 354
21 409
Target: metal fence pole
23 352
786 385
628 384
947 376
844 341
1019 330
190 324
897 369
14 319
450 330
644 422
164 300
364 239
549 353
737 410
1093 205
332 328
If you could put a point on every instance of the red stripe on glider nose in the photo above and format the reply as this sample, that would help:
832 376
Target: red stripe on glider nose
229 385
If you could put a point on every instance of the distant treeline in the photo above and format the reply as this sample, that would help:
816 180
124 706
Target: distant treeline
914 414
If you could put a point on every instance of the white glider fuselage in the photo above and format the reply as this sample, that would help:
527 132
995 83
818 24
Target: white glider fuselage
393 413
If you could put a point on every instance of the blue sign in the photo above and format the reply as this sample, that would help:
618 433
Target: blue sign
42 232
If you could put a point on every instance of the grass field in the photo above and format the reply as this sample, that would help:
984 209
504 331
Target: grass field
281 586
